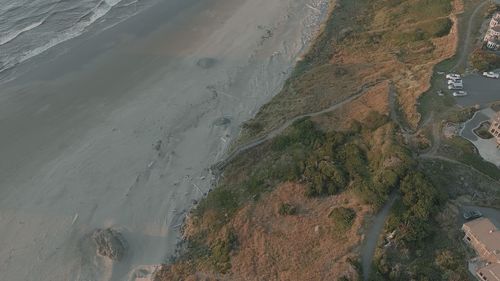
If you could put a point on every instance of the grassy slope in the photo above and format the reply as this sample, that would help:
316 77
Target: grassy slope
364 41
366 160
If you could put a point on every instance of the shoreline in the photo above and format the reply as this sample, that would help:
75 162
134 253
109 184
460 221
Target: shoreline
92 157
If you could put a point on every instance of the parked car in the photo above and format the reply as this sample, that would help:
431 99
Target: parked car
453 76
457 81
460 94
491 74
470 215
455 87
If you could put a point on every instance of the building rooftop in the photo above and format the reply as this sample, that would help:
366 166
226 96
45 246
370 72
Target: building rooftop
490 272
486 232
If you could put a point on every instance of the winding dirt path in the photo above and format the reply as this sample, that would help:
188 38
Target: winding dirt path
464 51
218 167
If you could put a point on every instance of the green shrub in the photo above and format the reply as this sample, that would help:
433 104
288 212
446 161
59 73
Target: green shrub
443 27
281 142
375 120
355 161
252 126
221 252
305 132
323 177
419 203
461 115
287 209
343 217
222 200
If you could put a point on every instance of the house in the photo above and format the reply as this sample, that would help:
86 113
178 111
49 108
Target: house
490 272
492 37
484 237
495 128
495 20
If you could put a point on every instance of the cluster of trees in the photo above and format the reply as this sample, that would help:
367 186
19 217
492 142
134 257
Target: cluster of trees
420 202
366 159
413 219
334 161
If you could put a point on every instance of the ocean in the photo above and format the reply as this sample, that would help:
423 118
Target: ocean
31 27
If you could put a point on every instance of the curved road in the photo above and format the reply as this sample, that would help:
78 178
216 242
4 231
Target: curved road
370 244
466 46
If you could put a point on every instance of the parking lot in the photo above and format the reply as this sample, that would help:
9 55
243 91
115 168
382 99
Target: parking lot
481 90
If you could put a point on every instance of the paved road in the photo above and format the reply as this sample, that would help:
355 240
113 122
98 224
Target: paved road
481 90
468 130
370 244
464 51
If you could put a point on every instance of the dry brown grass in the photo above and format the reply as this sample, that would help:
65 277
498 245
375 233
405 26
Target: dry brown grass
305 246
366 41
375 99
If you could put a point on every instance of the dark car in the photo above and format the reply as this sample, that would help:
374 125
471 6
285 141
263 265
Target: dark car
470 215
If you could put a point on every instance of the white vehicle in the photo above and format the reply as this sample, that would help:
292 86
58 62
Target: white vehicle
491 74
458 81
460 94
455 87
453 76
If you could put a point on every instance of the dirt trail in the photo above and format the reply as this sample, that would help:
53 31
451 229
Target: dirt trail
217 168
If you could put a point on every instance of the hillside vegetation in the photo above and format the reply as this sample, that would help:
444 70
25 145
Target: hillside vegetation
295 207
364 42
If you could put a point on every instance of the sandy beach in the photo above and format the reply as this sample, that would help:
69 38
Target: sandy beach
119 129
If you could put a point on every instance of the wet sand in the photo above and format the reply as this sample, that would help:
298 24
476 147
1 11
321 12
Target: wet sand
119 130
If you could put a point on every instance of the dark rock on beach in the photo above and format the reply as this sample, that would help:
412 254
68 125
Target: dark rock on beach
110 243
206 63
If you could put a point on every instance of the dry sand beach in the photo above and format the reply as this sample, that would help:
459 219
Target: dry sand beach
120 129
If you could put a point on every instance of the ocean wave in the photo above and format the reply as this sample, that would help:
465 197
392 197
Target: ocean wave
101 9
96 13
13 35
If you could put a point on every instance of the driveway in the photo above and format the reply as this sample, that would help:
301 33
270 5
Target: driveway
481 90
490 213
487 147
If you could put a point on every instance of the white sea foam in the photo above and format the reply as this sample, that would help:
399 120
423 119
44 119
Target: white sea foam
96 13
13 35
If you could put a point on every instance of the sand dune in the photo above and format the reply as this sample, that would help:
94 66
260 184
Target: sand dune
120 130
